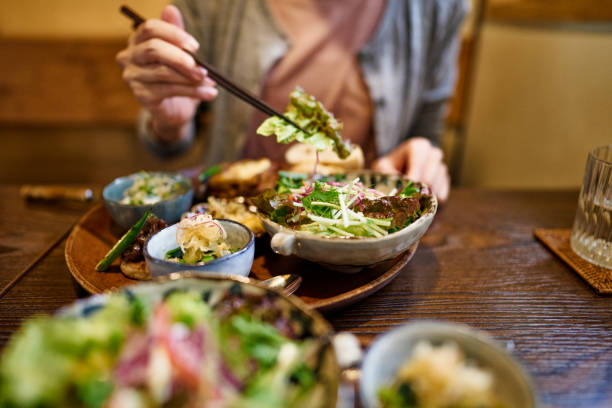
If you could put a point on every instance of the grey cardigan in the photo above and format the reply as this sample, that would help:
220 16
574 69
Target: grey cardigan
408 66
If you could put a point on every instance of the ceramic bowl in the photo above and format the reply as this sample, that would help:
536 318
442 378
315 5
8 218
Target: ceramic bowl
126 215
350 254
329 374
389 352
238 263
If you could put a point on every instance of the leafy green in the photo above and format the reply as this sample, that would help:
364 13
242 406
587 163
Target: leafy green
410 189
322 127
187 308
321 196
260 340
401 396
209 172
50 354
94 392
289 181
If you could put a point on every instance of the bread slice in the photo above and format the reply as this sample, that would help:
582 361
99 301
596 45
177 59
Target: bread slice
302 155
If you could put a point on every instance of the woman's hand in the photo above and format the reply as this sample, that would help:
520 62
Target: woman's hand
418 160
164 78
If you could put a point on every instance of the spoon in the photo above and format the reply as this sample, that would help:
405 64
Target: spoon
288 283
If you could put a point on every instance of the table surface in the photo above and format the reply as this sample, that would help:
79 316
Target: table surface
479 264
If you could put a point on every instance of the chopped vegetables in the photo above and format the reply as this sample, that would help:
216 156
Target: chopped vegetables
218 347
337 208
200 239
150 188
322 127
123 244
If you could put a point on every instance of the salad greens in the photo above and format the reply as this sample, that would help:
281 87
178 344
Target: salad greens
237 350
332 207
322 127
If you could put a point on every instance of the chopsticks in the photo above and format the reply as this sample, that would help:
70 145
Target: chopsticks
220 78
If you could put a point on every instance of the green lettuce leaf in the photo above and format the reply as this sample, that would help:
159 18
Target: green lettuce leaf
322 127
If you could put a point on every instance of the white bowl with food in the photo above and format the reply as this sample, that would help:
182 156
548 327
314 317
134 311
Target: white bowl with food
201 244
356 221
431 364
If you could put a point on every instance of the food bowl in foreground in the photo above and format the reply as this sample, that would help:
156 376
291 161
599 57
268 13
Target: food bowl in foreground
389 353
238 262
181 341
169 206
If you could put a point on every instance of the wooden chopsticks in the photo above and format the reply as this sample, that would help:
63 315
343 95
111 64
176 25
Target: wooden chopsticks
220 78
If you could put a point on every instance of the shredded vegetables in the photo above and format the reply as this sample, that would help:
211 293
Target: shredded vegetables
199 237
341 209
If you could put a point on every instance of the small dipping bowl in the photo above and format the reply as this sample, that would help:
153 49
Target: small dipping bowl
237 263
392 350
126 215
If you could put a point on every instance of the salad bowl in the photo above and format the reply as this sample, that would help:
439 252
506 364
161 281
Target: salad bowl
215 301
237 263
170 209
352 254
512 384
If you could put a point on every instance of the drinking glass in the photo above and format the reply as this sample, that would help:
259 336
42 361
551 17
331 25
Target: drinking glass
592 231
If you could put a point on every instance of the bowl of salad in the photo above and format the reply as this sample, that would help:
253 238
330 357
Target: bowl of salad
346 222
440 365
201 244
168 195
183 341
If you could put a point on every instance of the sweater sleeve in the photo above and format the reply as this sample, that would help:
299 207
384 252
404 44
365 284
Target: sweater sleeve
441 67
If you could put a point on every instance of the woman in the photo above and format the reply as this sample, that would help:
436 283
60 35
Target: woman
384 68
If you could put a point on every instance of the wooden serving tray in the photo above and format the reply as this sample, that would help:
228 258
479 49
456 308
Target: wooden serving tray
321 289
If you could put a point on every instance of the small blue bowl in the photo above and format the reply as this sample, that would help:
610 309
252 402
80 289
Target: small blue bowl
237 263
126 215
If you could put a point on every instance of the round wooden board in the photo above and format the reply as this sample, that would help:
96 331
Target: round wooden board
321 289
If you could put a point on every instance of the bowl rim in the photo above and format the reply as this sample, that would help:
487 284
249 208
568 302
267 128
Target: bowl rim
430 213
180 178
244 249
428 327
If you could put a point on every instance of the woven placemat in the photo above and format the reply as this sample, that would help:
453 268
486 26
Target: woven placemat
558 241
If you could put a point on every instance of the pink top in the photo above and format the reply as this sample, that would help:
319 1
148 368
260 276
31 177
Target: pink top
325 37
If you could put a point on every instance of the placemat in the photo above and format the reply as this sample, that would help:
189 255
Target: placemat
558 241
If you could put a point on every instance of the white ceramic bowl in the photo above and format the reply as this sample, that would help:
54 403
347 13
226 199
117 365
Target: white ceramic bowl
390 351
351 254
238 263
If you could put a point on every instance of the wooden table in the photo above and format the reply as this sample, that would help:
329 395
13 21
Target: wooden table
479 264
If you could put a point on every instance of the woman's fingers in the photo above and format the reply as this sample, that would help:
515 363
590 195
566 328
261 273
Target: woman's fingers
151 94
432 165
164 31
159 73
385 165
157 51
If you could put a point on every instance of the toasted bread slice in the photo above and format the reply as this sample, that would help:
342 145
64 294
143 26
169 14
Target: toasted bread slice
302 155
240 178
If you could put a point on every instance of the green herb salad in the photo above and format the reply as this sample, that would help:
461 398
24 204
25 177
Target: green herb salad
339 207
219 347
151 188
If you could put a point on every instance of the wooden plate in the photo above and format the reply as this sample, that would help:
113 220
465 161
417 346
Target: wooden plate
321 289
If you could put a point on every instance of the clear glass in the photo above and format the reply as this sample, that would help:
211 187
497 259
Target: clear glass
592 231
